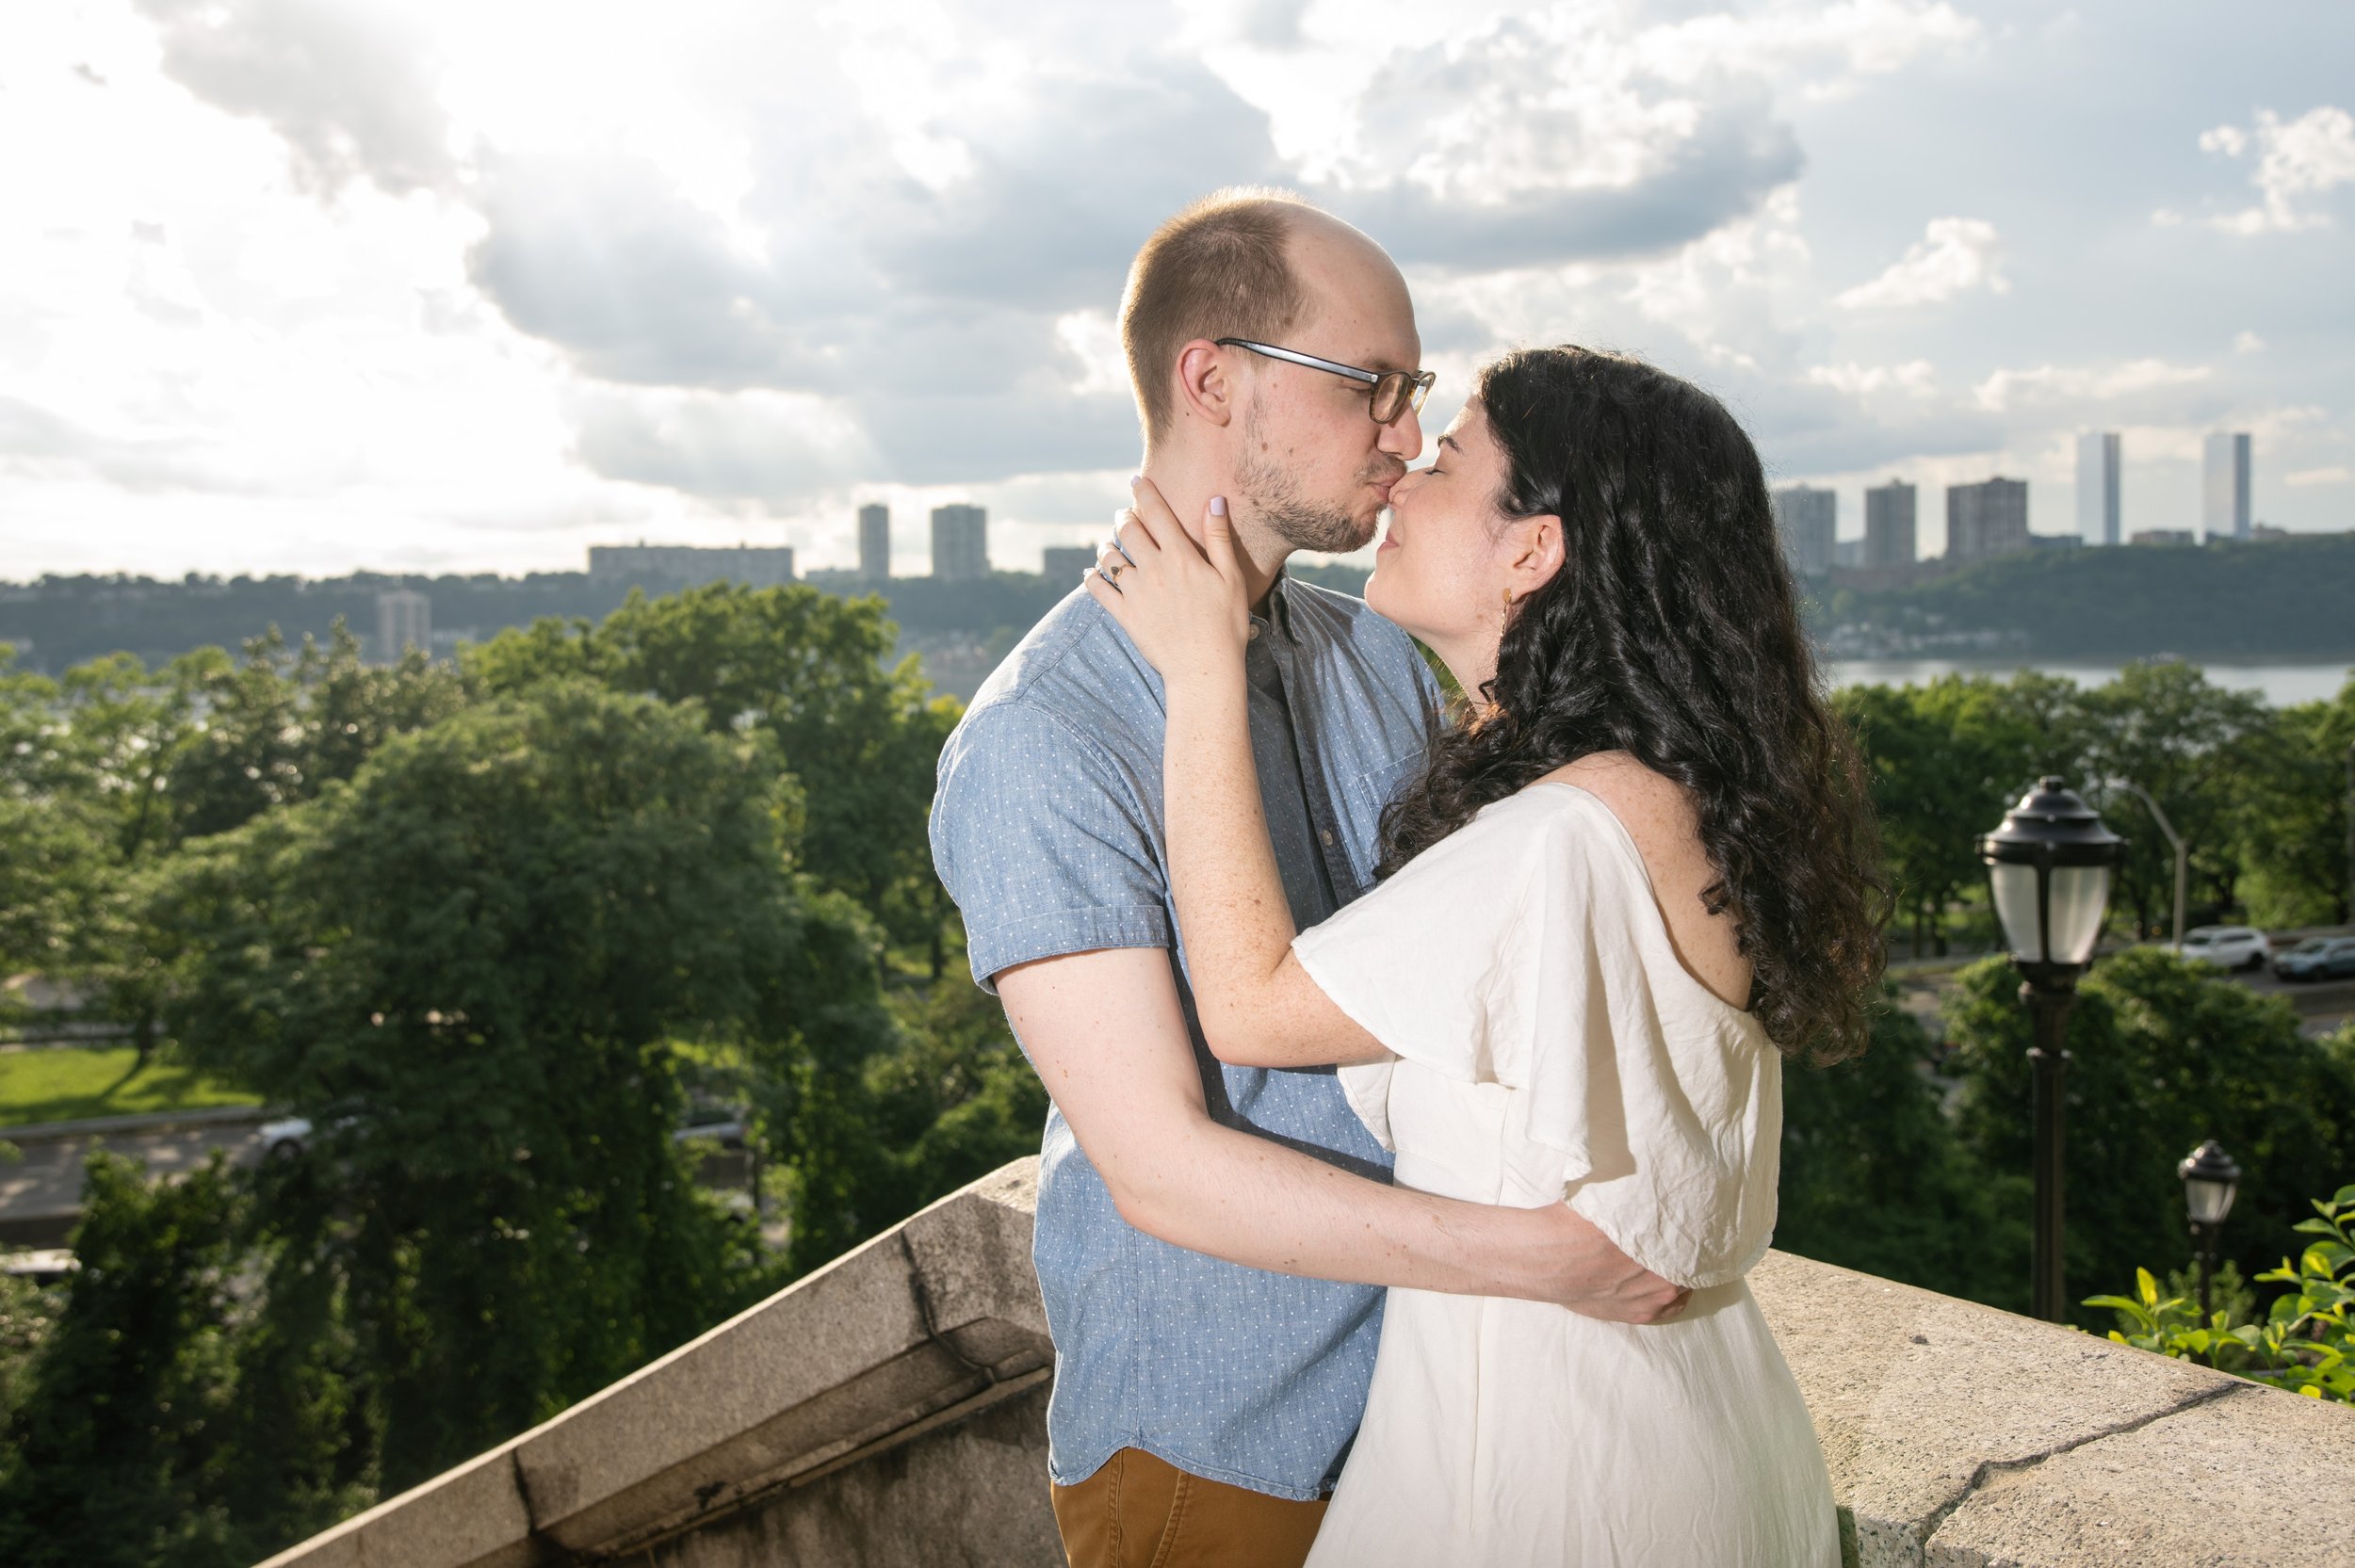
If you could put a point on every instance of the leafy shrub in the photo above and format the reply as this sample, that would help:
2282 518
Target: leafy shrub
2306 1342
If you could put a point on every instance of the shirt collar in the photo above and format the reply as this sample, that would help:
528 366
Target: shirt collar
1279 611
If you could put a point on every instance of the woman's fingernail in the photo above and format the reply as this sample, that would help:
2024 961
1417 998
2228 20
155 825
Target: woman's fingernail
1218 506
1135 480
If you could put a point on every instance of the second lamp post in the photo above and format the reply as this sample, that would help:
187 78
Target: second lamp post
2049 868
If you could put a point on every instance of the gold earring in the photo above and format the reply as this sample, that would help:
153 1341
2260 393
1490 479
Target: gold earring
1505 616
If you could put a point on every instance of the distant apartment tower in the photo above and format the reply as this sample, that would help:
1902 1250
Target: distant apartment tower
683 565
404 620
874 541
960 543
1891 535
1985 520
1064 563
2225 509
2097 487
1808 519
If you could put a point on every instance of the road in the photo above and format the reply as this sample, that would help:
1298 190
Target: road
40 1196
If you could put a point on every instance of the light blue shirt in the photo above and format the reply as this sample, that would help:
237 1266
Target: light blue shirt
1048 831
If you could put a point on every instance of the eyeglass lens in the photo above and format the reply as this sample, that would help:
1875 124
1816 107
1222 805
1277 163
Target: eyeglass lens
1395 393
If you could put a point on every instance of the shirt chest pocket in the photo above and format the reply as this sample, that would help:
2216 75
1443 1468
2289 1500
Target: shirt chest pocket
1366 796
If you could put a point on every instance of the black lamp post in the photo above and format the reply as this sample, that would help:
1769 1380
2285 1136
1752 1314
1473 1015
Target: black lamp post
2210 1179
2049 868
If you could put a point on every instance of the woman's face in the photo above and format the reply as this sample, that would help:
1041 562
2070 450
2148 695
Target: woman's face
1443 564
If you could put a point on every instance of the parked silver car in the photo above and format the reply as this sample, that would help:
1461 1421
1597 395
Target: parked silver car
2323 958
2226 946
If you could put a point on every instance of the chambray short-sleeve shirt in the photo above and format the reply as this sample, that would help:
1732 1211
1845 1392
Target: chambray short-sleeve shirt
1047 830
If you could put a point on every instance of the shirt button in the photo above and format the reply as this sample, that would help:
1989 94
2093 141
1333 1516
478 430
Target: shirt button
1325 835
1255 631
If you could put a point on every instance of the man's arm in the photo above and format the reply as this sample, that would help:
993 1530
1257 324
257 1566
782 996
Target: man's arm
1106 1032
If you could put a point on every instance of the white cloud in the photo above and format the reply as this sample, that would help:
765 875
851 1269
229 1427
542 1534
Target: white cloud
305 283
2297 160
1914 378
2247 342
2052 386
1830 47
2336 474
1953 256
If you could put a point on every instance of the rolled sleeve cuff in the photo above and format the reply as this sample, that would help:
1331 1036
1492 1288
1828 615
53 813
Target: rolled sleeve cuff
997 949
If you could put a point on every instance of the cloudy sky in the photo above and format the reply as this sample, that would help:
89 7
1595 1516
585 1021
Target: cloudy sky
470 285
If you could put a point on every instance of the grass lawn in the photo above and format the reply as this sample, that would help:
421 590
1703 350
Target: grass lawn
69 1083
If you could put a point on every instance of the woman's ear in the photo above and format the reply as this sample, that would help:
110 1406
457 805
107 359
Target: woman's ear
1536 546
1206 382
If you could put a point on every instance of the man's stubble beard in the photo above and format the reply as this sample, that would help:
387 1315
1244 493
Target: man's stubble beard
1273 497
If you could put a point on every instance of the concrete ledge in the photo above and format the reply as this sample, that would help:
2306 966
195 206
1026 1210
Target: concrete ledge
1963 1437
938 1314
891 1409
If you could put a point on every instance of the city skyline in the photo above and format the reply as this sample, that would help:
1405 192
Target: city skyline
437 287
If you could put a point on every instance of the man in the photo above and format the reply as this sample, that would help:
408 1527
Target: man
1214 1328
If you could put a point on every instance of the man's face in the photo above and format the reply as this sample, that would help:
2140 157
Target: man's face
1315 468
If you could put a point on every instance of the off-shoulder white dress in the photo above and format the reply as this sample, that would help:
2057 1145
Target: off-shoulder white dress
1549 1043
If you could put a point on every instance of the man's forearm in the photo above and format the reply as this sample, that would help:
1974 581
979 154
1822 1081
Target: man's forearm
1255 1201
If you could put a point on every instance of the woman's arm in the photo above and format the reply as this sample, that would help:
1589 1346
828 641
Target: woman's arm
1184 608
1106 1033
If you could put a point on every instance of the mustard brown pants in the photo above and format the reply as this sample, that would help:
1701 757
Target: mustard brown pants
1142 1511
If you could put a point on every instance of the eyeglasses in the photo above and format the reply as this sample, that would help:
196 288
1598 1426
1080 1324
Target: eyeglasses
1395 391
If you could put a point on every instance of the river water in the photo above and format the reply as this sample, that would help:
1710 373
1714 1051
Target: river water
2280 684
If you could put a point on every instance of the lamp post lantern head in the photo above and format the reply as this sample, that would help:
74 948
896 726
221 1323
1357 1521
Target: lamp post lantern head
2210 1179
2049 869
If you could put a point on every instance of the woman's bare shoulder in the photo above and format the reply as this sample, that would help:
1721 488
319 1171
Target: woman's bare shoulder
1661 818
1654 808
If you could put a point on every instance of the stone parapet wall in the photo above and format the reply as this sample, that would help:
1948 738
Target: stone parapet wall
890 1410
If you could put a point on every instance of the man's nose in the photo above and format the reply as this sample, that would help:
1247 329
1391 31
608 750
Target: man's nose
1402 437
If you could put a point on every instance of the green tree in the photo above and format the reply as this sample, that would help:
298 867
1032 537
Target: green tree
2289 815
2167 728
52 839
805 667
285 722
1875 1178
2162 1054
1946 760
466 963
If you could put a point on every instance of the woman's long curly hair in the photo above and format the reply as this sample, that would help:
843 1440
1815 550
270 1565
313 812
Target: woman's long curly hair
1672 632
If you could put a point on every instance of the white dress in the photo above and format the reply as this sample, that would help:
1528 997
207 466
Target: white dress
1549 1043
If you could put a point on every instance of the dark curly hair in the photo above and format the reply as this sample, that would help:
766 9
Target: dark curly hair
1672 632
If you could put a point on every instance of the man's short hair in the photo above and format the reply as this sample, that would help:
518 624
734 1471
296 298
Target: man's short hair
1216 269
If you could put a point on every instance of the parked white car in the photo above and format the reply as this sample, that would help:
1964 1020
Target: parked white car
2226 946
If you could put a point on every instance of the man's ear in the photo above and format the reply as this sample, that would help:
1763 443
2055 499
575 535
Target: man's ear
1537 550
1207 388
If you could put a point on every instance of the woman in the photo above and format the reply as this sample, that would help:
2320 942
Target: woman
1635 877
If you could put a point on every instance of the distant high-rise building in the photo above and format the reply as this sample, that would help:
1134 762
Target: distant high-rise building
1064 563
2097 487
959 542
874 541
2225 500
1808 520
404 620
690 565
1891 537
1985 520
